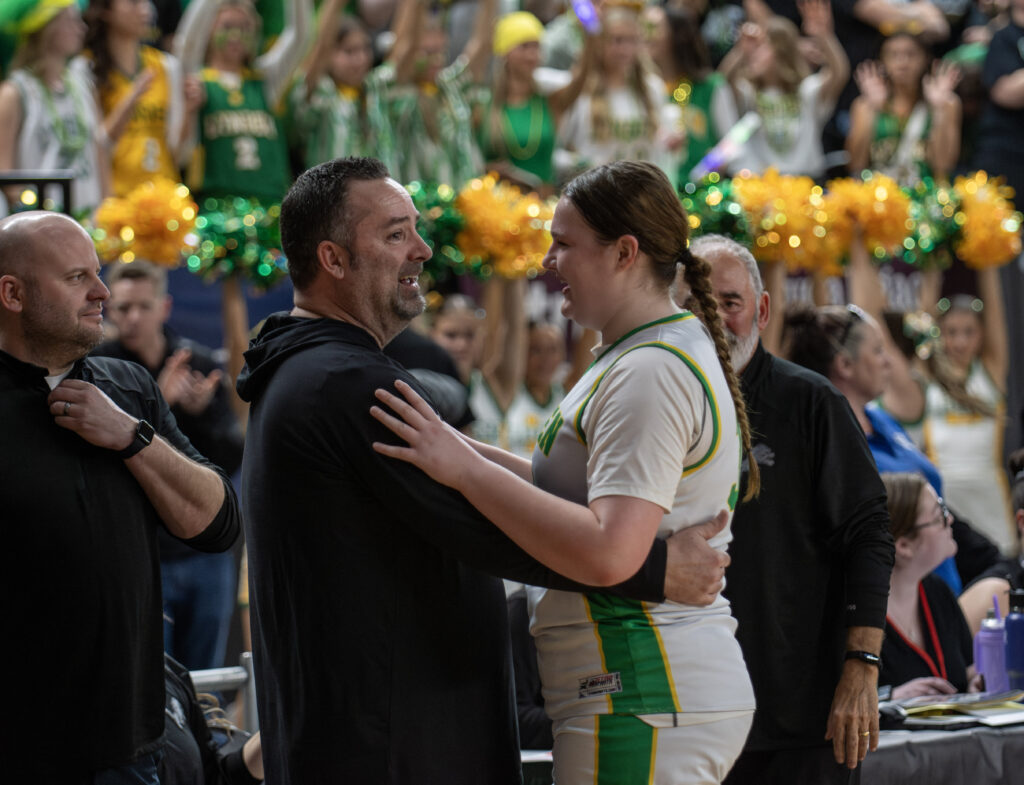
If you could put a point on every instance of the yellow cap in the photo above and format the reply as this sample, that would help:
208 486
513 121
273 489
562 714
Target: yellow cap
30 16
514 29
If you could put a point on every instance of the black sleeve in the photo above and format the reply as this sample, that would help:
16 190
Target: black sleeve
234 771
1003 57
534 723
223 530
441 515
852 496
975 553
216 432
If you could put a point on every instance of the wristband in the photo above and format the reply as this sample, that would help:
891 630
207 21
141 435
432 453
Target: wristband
866 657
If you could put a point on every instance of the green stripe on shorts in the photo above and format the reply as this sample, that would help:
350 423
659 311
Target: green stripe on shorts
625 750
630 647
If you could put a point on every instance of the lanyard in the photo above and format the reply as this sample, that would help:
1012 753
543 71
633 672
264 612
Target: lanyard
940 671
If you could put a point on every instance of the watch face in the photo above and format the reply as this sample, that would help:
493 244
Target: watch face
145 431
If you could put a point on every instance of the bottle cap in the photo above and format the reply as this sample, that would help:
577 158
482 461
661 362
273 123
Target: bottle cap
1016 600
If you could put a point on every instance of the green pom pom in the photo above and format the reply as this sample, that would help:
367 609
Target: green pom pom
239 237
712 209
932 226
440 222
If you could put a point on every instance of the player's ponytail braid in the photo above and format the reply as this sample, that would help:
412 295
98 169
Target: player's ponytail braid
697 274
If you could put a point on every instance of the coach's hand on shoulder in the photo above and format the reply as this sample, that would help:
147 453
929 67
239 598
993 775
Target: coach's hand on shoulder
695 572
85 409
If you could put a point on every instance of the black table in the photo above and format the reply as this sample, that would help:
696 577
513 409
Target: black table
970 756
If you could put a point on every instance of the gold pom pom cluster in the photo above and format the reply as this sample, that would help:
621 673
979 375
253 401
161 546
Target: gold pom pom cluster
790 219
155 221
507 231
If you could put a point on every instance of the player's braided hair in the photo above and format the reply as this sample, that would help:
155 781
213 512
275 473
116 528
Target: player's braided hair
697 274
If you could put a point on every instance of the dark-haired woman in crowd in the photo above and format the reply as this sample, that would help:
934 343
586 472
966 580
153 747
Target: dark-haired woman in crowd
142 94
1007 574
705 100
927 648
647 442
906 121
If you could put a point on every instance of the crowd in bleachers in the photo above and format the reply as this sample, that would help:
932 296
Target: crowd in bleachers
234 98
444 93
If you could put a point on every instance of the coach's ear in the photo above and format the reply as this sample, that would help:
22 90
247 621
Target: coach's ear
333 258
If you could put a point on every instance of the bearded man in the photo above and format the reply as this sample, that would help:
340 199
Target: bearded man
811 555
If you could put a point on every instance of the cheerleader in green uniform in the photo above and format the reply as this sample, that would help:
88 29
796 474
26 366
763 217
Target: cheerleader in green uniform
336 105
428 103
242 149
517 129
906 120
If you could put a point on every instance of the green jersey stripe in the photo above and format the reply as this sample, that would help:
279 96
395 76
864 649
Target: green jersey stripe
676 317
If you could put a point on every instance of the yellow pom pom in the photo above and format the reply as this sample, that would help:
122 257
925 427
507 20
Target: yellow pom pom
876 205
504 227
989 225
787 214
154 221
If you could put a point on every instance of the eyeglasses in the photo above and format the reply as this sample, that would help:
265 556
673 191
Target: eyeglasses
944 518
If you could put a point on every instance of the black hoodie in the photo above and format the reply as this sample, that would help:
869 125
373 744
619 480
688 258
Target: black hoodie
381 646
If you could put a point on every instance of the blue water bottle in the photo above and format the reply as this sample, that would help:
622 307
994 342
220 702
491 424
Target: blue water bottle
990 653
1014 625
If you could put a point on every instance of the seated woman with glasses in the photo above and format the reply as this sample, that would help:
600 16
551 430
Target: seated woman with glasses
927 648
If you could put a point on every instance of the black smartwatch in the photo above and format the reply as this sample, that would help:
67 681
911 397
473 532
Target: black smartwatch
144 434
864 656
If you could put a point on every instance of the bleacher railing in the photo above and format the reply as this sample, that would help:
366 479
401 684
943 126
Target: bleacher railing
237 678
40 179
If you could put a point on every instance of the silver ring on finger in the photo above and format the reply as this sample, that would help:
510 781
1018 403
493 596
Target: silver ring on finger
67 408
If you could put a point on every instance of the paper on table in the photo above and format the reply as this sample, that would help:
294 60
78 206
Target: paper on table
961 702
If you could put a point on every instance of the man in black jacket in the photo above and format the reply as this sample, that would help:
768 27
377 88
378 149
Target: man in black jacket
92 466
811 555
198 588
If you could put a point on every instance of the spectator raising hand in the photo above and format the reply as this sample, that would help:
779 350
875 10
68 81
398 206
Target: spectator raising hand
182 386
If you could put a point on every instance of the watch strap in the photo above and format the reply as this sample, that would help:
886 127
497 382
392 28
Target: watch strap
864 656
